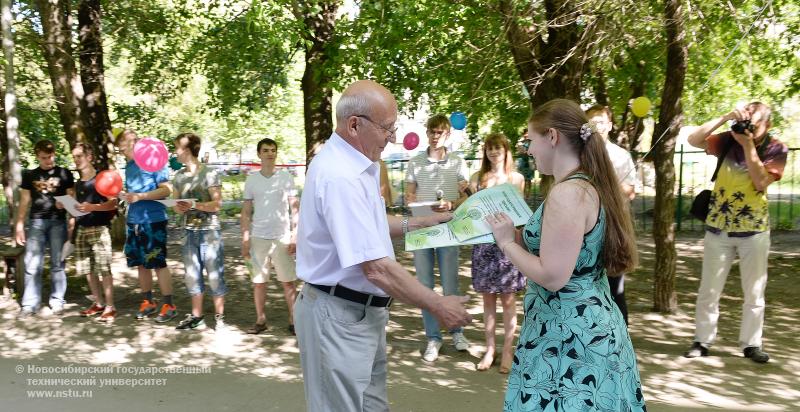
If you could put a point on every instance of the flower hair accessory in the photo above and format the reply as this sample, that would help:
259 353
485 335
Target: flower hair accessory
586 131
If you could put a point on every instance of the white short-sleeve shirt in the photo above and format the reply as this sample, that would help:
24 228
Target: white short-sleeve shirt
270 196
623 164
342 219
431 176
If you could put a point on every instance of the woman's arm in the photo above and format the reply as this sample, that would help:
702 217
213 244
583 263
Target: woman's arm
567 212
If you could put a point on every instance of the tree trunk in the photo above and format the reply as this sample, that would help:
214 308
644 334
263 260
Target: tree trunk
9 137
541 64
57 47
669 123
98 125
319 19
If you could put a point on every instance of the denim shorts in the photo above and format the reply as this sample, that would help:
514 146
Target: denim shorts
146 245
202 249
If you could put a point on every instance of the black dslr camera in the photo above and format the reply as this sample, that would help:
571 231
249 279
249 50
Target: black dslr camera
742 125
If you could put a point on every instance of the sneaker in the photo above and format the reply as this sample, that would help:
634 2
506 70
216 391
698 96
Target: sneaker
95 309
108 316
219 322
146 309
756 354
460 342
25 313
697 350
432 351
291 329
191 322
57 310
167 313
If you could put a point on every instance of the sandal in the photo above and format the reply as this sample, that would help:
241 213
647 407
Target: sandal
257 328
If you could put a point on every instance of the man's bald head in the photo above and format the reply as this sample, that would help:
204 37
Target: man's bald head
364 97
365 117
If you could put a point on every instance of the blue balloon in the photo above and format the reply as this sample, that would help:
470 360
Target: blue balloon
458 120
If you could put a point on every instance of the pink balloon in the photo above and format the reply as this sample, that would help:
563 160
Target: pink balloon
411 141
150 154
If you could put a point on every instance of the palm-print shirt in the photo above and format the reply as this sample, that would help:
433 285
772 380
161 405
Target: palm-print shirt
736 206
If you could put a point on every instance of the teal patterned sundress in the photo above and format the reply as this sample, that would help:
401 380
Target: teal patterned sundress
574 352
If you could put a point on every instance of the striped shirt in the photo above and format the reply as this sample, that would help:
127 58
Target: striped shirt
431 176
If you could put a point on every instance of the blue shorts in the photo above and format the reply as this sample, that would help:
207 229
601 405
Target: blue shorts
146 245
202 249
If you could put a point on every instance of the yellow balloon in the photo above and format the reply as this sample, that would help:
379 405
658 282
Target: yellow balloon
116 131
640 106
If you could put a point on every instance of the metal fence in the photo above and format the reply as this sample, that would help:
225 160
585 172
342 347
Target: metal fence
693 169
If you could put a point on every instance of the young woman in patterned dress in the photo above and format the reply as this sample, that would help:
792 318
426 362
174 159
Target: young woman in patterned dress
574 352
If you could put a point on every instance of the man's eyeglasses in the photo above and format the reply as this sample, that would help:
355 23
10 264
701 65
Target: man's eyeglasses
392 131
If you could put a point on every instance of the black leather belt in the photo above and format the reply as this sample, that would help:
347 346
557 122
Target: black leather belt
355 296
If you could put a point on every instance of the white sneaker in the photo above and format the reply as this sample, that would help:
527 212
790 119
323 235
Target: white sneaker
460 342
219 322
432 351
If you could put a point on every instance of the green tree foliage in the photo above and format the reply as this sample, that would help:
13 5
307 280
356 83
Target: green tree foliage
450 55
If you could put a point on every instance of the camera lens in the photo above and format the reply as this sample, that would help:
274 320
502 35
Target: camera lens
741 126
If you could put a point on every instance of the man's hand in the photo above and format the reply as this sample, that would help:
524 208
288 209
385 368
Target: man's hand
182 206
444 206
450 312
85 207
745 140
19 233
291 248
131 197
738 115
59 205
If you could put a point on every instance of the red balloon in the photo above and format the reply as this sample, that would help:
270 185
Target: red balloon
108 183
411 141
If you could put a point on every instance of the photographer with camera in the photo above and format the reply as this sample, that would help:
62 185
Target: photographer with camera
737 222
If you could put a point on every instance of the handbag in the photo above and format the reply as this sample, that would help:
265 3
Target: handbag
700 204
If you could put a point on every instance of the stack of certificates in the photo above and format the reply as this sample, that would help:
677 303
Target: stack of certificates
468 226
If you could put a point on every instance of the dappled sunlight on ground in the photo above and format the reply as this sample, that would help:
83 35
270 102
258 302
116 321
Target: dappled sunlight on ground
248 372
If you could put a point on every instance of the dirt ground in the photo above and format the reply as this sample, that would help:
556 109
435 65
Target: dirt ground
74 364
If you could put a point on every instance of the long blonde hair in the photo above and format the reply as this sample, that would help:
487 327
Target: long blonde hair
495 140
619 244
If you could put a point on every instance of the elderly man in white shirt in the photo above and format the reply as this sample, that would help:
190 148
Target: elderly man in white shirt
345 256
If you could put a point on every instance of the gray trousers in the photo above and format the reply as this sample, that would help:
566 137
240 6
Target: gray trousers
342 352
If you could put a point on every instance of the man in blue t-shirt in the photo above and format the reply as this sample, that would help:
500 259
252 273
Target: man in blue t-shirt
146 240
47 227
